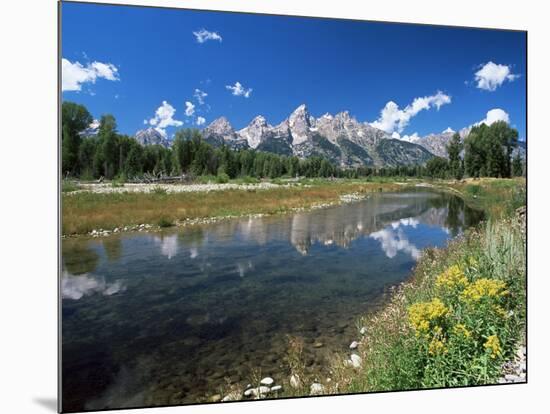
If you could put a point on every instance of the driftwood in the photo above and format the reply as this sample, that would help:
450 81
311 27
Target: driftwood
160 179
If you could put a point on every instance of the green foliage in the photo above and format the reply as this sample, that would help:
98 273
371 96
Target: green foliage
517 166
164 222
68 186
488 150
222 178
437 167
456 167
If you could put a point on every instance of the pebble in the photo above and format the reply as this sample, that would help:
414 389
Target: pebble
317 344
363 331
276 388
353 345
316 389
267 381
356 361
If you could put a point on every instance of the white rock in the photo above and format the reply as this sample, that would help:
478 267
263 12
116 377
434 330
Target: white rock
363 331
255 392
276 388
356 361
295 381
353 345
316 389
267 381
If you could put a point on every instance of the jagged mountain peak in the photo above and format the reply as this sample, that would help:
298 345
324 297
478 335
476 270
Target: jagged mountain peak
150 136
221 123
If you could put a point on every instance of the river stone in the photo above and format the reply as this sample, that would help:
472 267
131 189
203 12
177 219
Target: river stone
215 398
318 345
316 389
255 392
356 361
267 381
363 331
276 388
353 345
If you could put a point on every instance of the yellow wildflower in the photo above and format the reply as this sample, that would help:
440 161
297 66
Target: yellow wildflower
451 278
483 288
437 346
500 311
424 314
472 261
461 329
493 344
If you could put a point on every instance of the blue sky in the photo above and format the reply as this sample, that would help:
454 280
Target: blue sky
136 62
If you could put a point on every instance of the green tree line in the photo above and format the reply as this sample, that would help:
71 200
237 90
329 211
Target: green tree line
487 152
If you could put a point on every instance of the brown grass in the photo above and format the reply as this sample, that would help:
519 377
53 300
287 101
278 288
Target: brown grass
84 212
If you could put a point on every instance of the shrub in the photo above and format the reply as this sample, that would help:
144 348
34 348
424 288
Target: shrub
164 222
222 178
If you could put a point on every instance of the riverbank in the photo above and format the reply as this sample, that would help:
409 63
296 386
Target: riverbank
103 208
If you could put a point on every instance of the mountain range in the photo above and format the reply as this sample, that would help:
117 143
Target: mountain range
341 138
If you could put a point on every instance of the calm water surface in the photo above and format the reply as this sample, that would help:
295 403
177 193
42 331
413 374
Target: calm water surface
168 318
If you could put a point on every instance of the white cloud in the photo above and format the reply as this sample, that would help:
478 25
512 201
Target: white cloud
411 138
393 240
75 74
449 129
204 35
492 75
199 96
239 90
164 117
189 109
200 120
493 116
394 119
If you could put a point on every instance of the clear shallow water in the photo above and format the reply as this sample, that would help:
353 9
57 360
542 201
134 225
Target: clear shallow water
168 318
